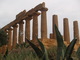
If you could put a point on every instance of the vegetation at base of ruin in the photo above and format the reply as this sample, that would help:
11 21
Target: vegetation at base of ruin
41 52
78 53
30 51
29 54
20 54
23 45
3 38
64 52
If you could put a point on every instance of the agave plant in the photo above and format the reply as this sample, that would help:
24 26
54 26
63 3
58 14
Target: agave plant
70 49
60 44
41 53
63 51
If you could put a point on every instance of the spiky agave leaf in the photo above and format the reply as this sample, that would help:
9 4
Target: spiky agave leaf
59 37
60 44
45 54
70 49
41 45
6 54
36 49
78 53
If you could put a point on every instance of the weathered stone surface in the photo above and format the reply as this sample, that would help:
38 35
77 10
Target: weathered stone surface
10 39
51 36
35 26
76 30
27 14
15 35
55 22
48 43
21 14
66 30
20 40
43 23
27 27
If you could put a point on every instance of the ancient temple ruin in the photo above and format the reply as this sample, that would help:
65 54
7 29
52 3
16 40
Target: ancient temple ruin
15 28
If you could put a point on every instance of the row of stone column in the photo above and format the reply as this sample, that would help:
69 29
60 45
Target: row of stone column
13 37
66 34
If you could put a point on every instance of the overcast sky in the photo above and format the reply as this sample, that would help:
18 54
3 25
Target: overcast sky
63 8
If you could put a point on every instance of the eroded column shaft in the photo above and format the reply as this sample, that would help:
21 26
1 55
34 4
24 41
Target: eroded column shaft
21 32
35 25
15 35
76 30
66 30
27 28
43 23
10 38
55 22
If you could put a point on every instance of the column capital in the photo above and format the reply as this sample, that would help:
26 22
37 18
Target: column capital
75 21
44 9
55 15
21 22
6 31
36 14
10 29
65 19
15 26
28 18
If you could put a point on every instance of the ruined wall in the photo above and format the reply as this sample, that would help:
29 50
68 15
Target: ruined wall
15 28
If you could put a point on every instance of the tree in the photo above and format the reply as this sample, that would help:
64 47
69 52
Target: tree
3 37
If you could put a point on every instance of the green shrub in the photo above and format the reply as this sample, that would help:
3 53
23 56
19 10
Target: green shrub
52 52
23 45
3 38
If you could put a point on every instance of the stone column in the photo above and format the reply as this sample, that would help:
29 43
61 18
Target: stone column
27 27
76 30
43 23
35 25
10 38
55 22
66 30
20 32
15 35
